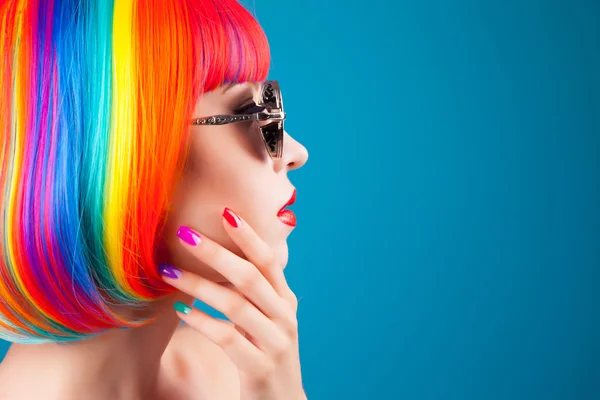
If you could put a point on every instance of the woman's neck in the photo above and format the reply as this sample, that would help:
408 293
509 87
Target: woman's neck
122 364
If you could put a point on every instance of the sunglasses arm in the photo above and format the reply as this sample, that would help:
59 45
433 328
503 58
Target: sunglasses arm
228 119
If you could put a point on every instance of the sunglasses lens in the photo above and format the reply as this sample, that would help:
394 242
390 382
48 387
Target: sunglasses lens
273 137
271 96
273 132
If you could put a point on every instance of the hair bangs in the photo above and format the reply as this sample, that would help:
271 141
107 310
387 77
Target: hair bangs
231 46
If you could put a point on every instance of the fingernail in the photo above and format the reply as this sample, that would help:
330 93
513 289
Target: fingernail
231 217
182 307
170 271
188 236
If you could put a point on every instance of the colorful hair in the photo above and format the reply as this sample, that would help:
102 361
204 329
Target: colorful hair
95 102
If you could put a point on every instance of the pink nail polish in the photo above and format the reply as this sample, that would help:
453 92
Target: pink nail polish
187 235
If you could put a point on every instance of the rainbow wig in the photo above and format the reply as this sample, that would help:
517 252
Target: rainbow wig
95 102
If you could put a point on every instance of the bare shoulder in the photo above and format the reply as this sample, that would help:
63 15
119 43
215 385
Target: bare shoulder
194 368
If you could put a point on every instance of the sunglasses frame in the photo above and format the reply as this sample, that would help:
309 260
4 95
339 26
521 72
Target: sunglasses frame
272 133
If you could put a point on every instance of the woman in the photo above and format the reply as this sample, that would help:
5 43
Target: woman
143 164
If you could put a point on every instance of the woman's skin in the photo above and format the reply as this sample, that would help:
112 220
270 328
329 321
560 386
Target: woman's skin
228 166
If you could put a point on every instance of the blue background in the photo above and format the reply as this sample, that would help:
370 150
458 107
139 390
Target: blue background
448 244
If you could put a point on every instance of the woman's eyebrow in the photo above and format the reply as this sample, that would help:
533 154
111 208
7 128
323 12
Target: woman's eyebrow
247 85
229 86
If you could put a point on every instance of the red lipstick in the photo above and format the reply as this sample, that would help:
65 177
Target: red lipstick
287 216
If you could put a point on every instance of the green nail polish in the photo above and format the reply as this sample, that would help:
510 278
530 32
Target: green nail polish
182 308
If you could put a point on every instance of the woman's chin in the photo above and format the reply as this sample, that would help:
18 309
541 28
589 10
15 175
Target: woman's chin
282 254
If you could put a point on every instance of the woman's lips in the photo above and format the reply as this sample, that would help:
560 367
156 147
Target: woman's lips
287 216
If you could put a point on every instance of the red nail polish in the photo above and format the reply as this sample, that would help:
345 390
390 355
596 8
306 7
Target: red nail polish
231 217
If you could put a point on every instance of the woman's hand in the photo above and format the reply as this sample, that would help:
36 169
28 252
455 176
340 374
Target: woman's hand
262 339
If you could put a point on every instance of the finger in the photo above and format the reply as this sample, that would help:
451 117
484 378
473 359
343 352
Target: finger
244 354
236 307
256 251
240 272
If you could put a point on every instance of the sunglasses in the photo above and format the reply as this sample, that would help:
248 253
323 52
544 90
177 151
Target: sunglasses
270 108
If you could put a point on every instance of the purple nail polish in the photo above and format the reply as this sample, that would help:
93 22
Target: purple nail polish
170 271
188 236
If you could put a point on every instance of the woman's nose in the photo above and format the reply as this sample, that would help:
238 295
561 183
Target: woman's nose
295 154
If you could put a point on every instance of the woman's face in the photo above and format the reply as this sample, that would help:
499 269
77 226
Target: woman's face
228 166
